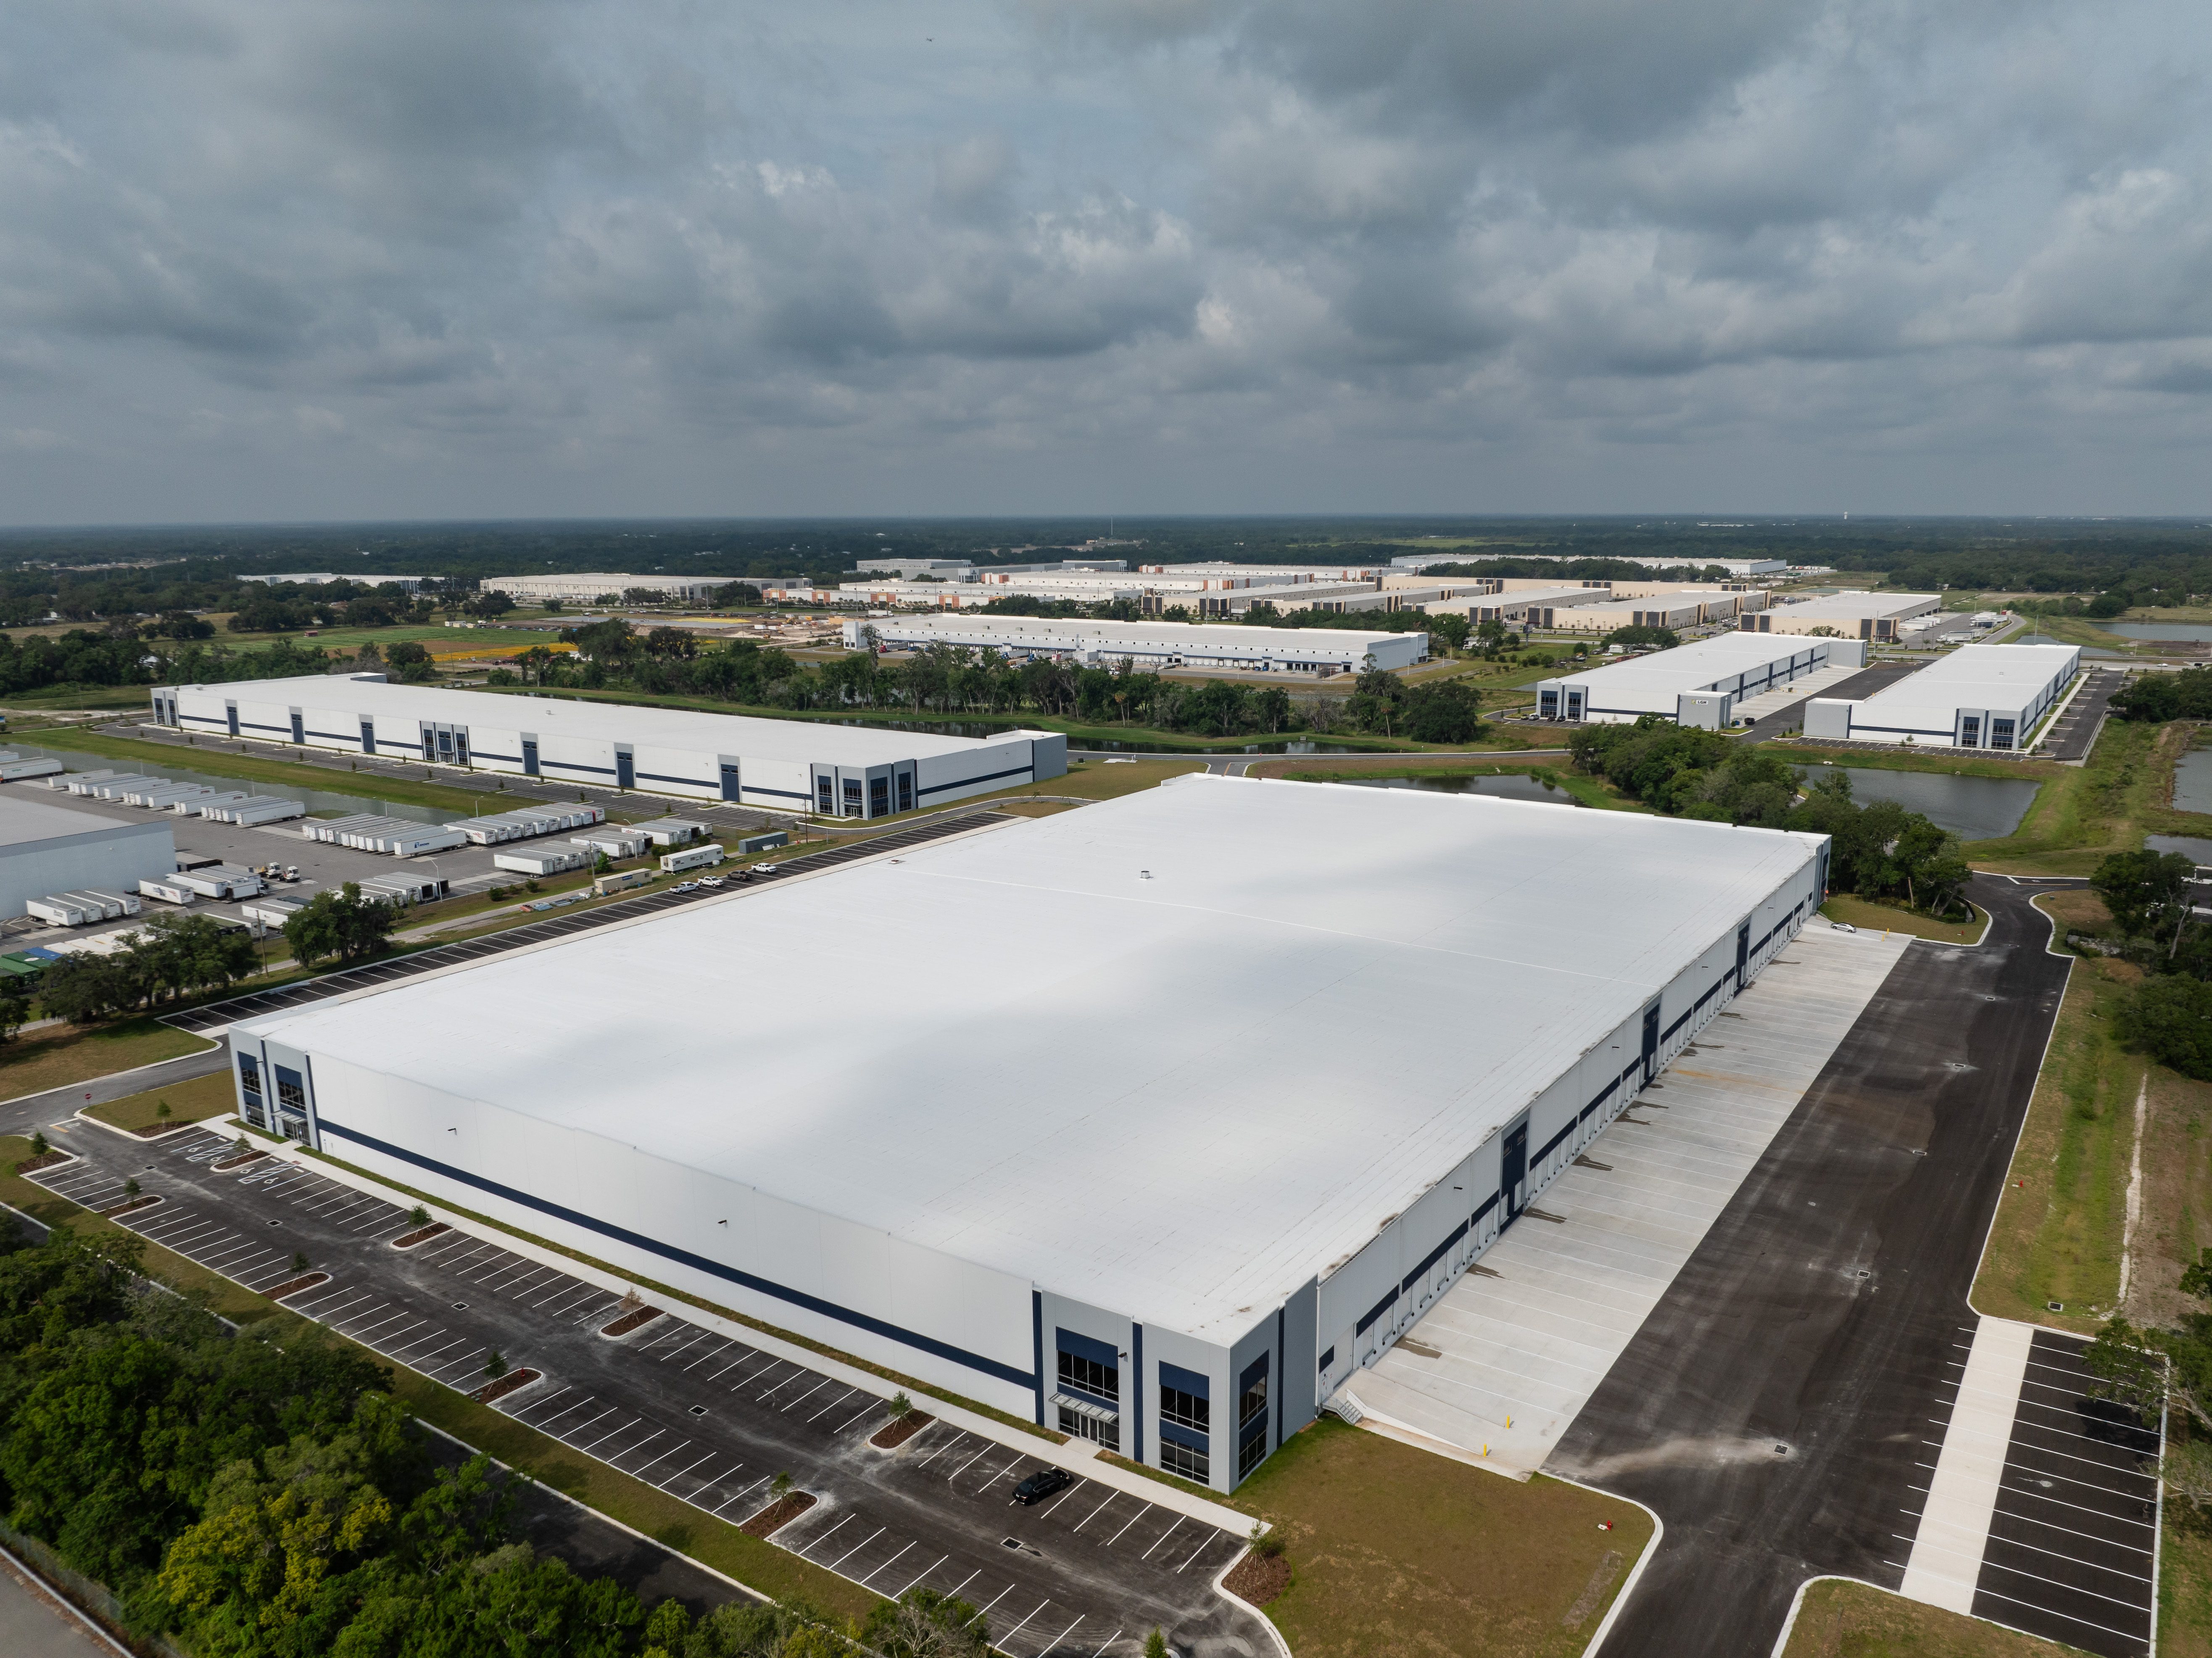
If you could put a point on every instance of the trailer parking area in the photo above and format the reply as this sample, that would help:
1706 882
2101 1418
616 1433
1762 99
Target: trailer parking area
705 1417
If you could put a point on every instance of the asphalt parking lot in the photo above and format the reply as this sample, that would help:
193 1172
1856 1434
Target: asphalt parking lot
2072 1543
2073 731
708 1419
1774 1406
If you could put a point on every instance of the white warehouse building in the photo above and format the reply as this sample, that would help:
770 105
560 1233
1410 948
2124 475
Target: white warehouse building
1150 644
1979 696
1855 616
1099 1137
590 586
1700 684
780 765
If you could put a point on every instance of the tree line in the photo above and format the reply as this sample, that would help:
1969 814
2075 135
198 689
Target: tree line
255 1500
948 679
1880 849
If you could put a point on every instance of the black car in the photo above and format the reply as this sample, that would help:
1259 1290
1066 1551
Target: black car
1043 1483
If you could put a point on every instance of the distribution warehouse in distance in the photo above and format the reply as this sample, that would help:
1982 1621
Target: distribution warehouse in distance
1058 1116
781 765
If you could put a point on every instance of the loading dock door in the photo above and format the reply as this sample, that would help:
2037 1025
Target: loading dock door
625 771
369 737
1742 955
1650 1040
530 757
231 709
1513 1172
299 727
729 782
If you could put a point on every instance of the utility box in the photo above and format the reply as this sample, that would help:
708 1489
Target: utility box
690 858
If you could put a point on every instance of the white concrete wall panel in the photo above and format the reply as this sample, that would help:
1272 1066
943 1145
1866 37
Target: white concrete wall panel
866 1273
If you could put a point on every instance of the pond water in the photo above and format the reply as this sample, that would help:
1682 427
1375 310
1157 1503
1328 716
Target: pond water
2189 846
316 801
2192 781
2196 633
1972 808
1510 786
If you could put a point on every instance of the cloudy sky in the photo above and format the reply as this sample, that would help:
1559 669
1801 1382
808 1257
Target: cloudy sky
471 258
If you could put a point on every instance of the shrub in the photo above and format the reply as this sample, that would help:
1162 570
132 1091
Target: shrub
2170 1018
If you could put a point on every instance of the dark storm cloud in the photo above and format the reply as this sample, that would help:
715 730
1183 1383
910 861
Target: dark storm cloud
395 257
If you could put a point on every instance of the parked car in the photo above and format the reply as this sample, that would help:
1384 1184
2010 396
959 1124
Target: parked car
764 869
1842 926
685 886
1043 1483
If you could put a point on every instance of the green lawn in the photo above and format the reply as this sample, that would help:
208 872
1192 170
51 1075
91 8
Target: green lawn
345 641
70 1054
1399 1554
197 1101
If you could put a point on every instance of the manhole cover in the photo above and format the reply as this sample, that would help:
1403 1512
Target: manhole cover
1958 1064
1782 1450
1865 1274
459 1306
2054 1306
1010 1543
276 1223
698 1410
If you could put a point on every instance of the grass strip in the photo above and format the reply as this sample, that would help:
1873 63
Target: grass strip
288 774
1844 1619
2060 1218
1869 914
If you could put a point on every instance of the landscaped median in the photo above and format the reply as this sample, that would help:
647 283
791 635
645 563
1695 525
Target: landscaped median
1839 1619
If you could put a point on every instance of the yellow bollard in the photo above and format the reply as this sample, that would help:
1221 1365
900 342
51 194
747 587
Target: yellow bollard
1485 1447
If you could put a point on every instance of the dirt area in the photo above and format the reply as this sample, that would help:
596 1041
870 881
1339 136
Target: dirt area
1398 1553
44 1160
777 1514
1258 1579
420 1235
292 1286
229 1163
1842 1620
512 1381
126 1208
893 1434
629 1321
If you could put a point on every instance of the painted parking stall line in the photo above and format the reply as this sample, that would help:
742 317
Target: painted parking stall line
683 1425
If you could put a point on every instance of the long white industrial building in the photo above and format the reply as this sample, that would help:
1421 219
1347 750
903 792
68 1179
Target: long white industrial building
1979 696
589 587
1149 644
1855 616
1100 1135
1700 683
780 765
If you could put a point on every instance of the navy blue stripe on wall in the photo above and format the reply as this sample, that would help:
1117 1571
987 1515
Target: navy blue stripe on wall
970 782
1182 1380
990 1367
1036 1343
1082 1346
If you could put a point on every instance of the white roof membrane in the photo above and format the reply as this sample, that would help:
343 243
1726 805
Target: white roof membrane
1180 1094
